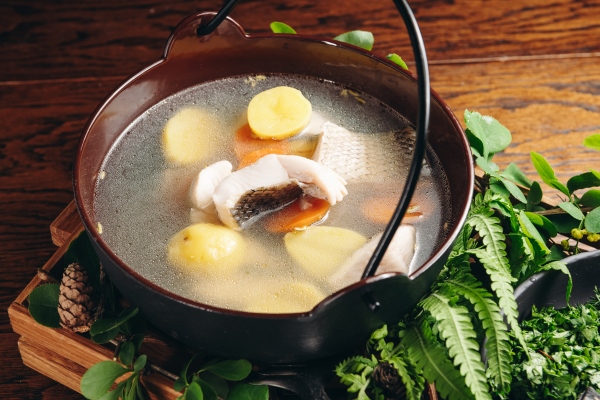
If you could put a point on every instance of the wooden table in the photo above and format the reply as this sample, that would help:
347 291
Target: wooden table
532 65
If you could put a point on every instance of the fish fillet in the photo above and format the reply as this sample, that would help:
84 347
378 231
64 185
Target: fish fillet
271 183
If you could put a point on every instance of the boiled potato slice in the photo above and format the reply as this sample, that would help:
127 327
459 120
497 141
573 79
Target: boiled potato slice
186 137
278 113
207 248
288 298
319 250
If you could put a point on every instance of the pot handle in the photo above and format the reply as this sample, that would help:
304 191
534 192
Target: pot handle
421 127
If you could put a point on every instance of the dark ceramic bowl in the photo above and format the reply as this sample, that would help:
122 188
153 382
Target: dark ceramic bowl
341 321
549 288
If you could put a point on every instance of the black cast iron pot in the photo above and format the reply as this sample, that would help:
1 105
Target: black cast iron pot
343 320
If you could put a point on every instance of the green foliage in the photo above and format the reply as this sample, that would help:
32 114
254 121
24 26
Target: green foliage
507 237
362 39
395 58
43 305
456 329
280 27
433 361
564 353
210 381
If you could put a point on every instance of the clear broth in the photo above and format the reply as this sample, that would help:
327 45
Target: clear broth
141 200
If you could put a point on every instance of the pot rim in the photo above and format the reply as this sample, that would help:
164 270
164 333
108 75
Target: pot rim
363 284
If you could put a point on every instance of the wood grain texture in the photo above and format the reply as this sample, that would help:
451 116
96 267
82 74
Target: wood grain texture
532 65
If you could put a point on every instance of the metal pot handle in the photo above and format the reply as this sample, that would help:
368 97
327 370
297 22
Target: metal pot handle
421 127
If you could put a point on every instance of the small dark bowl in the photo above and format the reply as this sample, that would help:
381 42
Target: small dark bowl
549 288
345 319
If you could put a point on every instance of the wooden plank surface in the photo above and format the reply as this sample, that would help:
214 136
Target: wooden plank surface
532 65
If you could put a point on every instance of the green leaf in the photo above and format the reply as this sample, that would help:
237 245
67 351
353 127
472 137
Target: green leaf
487 167
592 221
514 173
232 370
280 27
456 329
207 391
109 324
127 353
583 181
498 354
355 372
542 222
546 172
246 391
572 210
140 363
105 337
431 359
361 39
535 194
591 198
395 58
514 190
218 384
592 142
494 136
116 393
531 231
193 392
596 173
100 377
43 305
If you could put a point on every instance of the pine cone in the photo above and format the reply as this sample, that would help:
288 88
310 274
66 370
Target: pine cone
75 302
386 377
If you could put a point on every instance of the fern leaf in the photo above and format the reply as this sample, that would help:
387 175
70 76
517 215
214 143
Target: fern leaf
490 230
414 383
497 344
432 360
355 372
456 328
502 281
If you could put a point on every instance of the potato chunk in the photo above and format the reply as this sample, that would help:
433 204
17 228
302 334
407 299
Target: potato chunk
187 138
320 250
207 248
278 113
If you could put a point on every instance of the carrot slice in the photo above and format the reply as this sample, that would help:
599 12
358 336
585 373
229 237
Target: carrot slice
380 209
301 213
255 155
245 143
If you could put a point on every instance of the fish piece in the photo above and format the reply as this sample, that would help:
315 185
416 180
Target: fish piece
271 183
397 258
357 156
205 183
319 181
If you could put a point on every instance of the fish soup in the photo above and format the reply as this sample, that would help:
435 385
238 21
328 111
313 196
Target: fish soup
148 212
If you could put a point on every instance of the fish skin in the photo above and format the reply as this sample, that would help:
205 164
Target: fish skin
357 156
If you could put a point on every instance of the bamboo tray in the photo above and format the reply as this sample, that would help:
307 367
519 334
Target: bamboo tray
64 356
